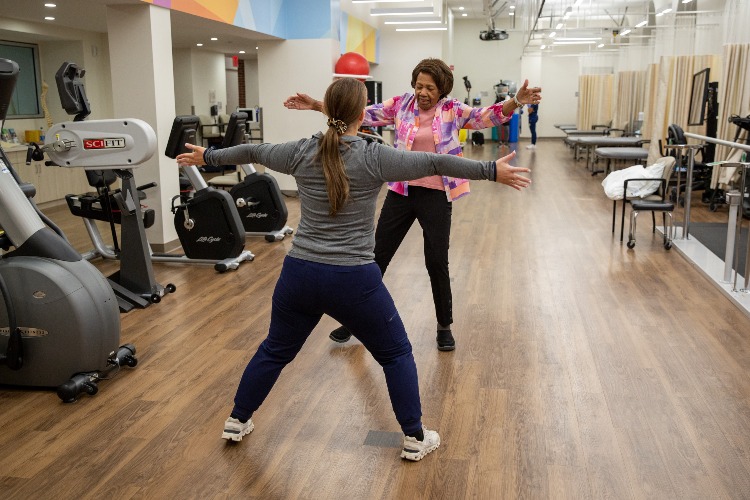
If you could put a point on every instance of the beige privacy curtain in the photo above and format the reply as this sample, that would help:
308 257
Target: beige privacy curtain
734 93
594 101
672 104
630 89
652 87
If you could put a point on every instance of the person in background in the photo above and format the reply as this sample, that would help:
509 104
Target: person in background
426 120
330 268
533 110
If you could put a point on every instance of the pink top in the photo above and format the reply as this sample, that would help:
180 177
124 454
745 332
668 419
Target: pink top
425 141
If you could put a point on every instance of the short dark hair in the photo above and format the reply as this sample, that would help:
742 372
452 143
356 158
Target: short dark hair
438 70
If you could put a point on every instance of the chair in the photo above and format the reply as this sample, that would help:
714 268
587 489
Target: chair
659 195
664 206
209 130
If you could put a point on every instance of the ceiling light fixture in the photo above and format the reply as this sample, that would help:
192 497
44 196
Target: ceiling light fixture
543 47
421 29
553 34
242 51
512 6
434 21
406 11
511 13
557 42
600 46
50 5
464 14
49 18
642 23
625 32
577 3
386 1
559 26
573 39
199 44
213 38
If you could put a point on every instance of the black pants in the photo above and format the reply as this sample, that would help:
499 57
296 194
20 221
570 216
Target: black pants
433 211
532 129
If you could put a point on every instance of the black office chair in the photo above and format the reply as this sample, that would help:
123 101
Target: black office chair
657 202
659 196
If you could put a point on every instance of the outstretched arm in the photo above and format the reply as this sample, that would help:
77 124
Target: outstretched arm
303 102
525 95
397 165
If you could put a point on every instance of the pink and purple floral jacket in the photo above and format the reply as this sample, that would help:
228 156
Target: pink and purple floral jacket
451 116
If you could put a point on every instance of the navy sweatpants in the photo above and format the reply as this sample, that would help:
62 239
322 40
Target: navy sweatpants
356 297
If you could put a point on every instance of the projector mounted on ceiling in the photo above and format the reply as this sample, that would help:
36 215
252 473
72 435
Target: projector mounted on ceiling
493 35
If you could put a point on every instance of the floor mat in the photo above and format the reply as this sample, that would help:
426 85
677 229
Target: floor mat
713 236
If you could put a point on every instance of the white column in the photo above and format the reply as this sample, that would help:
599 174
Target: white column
285 68
140 50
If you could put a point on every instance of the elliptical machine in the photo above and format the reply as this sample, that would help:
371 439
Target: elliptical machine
106 147
62 317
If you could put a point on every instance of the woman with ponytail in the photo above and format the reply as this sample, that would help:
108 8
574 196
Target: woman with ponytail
330 268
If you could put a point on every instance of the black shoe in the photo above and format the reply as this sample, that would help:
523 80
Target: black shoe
445 340
340 335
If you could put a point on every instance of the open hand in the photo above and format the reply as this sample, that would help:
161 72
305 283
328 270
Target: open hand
529 95
509 175
195 157
299 101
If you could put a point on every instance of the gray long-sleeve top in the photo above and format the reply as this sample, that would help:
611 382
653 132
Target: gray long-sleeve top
347 238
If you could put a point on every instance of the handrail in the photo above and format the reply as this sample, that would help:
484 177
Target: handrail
689 177
718 141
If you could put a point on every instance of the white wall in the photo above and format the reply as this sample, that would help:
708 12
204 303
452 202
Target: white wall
251 83
285 68
396 63
183 74
208 76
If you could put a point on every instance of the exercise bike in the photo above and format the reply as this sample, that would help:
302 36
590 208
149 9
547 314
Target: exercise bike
206 221
257 196
62 317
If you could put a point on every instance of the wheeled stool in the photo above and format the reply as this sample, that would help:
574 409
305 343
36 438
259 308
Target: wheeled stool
665 207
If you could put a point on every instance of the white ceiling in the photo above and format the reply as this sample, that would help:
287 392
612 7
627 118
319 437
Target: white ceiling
534 17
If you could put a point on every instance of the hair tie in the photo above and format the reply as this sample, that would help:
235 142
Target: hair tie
338 125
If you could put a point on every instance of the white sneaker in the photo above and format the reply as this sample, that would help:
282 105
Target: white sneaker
234 429
416 450
531 146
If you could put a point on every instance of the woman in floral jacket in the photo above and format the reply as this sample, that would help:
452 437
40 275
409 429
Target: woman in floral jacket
426 120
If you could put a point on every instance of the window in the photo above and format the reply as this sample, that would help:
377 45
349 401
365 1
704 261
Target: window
25 102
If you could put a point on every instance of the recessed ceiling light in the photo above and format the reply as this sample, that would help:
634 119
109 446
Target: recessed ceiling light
464 14
49 18
512 6
242 51
559 26
213 38
460 8
511 13
199 44
50 5
256 48
600 46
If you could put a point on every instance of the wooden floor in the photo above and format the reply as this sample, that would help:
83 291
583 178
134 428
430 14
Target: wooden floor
583 370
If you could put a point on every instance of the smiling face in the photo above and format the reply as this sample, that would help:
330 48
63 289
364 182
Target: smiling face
426 91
